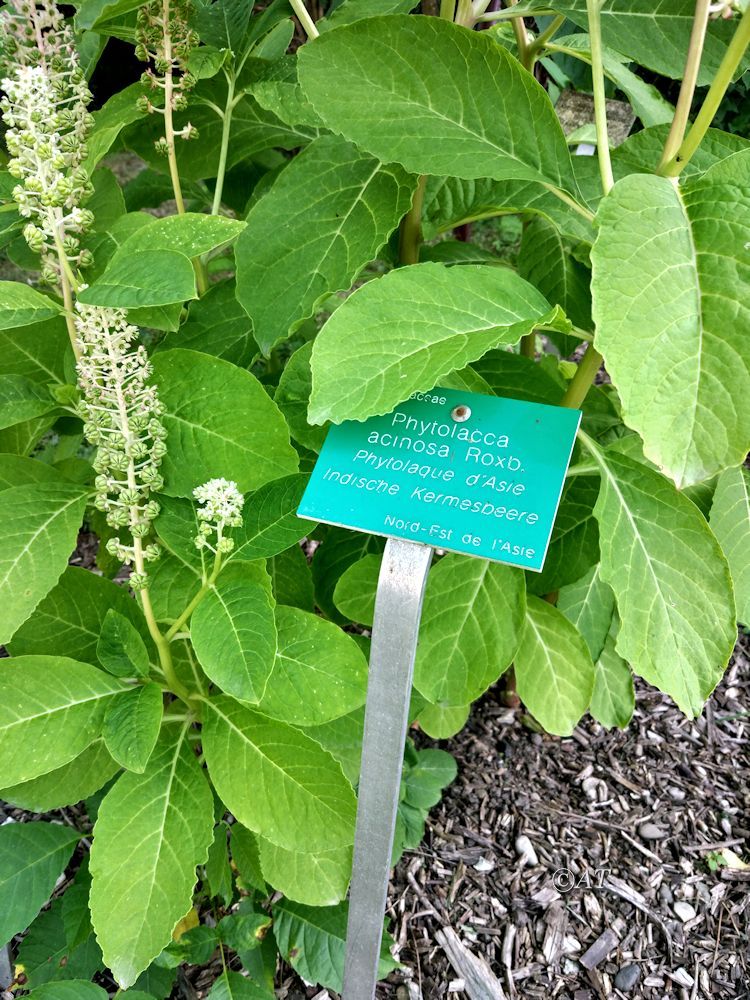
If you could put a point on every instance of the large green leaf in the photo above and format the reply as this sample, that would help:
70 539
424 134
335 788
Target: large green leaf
354 595
554 669
291 579
339 207
191 234
730 522
216 324
120 649
319 673
51 708
144 278
234 632
451 201
71 989
49 959
32 858
152 830
670 579
36 351
677 344
221 423
655 35
233 986
589 604
70 619
313 940
373 352
269 519
320 879
66 785
574 542
340 548
276 780
546 262
131 725
397 86
471 625
352 10
21 305
40 526
22 399
292 397
613 698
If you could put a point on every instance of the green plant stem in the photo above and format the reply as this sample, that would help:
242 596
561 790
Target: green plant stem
583 379
600 107
577 207
465 14
226 126
522 44
197 598
308 25
410 235
161 642
732 58
448 9
687 88
541 40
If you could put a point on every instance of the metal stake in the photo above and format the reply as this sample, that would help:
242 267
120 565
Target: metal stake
398 608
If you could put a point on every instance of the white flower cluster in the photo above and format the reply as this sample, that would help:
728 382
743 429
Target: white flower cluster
44 108
121 412
221 508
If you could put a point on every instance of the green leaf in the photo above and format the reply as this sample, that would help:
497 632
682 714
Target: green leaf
234 633
425 780
655 35
233 986
22 399
319 672
218 325
574 543
66 785
339 207
191 234
313 940
21 305
143 278
440 723
152 830
120 648
471 625
352 10
22 439
670 580
15 470
589 605
613 700
275 780
554 669
218 872
372 353
269 519
546 262
291 579
293 396
52 709
72 989
514 375
691 317
131 725
645 98
342 738
32 858
92 13
47 957
320 879
118 112
246 856
730 522
339 550
220 422
397 86
451 201
641 152
70 619
354 595
36 351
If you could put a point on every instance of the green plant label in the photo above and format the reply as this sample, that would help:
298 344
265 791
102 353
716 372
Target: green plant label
462 471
